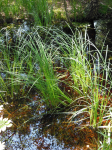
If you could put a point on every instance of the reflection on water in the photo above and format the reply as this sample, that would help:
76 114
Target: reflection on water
34 129
32 141
13 32
30 135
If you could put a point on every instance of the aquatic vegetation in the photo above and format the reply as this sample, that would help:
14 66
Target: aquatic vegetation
39 11
106 133
3 124
64 71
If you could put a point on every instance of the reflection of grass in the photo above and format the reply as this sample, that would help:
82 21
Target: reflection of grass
85 83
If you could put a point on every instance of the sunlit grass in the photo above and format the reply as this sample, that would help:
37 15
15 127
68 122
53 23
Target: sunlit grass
85 75
106 134
19 9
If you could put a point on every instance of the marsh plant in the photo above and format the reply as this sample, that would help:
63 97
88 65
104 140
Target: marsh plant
36 9
85 81
43 14
106 135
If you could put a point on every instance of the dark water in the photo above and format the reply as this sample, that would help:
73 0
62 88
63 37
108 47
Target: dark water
32 130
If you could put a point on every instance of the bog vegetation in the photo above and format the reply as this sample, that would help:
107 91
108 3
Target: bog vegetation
61 67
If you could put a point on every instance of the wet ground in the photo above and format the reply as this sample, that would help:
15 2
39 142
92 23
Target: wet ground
34 127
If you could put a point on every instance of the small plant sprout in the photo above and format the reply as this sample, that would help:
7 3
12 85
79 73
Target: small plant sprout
4 122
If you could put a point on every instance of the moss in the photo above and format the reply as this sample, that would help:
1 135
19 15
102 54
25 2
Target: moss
59 14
